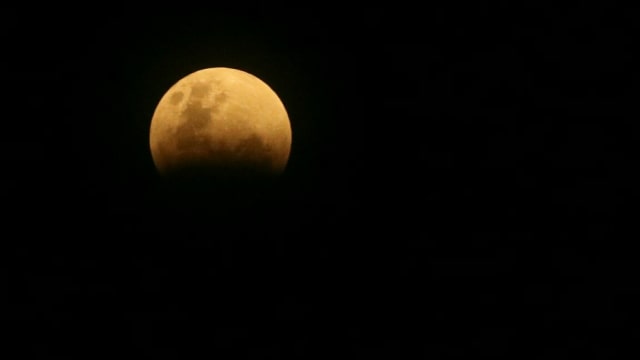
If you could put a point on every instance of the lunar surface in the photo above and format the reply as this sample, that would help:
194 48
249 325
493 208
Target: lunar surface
222 123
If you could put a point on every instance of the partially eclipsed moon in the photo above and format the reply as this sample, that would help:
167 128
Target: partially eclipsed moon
220 122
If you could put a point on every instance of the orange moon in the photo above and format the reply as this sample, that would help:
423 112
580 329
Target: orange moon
220 122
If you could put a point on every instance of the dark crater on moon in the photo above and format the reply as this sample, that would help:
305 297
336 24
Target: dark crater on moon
199 90
189 132
176 97
196 119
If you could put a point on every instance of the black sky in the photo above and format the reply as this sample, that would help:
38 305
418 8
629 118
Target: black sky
461 183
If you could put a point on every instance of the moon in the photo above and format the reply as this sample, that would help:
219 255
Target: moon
220 123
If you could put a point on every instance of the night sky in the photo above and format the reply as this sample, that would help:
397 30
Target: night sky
461 183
